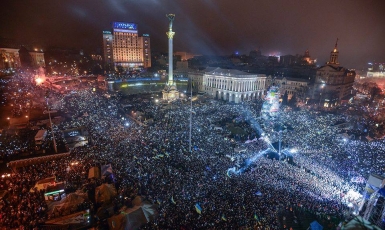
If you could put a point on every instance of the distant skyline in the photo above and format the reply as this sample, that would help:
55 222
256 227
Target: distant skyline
216 27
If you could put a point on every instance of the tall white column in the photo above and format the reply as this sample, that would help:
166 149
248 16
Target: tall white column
170 61
170 35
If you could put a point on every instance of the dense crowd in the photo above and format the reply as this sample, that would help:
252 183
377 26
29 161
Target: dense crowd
154 161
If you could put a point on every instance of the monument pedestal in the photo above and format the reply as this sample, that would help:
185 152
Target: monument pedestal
170 93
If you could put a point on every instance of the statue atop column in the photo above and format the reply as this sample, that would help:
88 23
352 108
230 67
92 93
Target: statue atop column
170 91
171 19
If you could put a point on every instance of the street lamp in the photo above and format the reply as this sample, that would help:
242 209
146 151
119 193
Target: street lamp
322 89
50 122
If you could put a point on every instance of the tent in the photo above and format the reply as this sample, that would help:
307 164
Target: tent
358 223
149 210
105 193
315 226
133 218
68 204
127 219
94 172
117 222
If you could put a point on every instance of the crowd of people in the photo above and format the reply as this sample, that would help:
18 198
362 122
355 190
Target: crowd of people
154 161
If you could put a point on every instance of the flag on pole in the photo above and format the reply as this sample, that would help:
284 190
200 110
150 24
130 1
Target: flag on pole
106 170
256 217
198 208
223 217
172 200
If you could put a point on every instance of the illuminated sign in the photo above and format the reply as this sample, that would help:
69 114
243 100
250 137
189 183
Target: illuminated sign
146 35
125 26
106 32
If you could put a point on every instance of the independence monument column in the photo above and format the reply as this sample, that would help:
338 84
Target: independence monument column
170 92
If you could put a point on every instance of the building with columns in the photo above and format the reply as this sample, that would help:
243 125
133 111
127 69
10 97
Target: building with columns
9 58
233 85
333 83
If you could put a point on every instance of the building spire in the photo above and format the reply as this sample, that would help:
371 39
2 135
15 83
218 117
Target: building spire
334 56
335 46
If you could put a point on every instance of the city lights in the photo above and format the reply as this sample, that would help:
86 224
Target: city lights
216 115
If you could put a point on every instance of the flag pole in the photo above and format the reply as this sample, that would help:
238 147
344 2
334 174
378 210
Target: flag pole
190 116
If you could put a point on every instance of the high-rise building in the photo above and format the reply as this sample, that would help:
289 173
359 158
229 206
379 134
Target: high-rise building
107 49
124 47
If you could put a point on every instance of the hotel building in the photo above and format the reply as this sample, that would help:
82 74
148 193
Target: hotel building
124 47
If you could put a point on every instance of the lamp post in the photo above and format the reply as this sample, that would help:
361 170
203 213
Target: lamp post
50 122
322 90
190 116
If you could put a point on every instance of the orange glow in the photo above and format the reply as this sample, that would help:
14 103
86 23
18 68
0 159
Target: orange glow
39 79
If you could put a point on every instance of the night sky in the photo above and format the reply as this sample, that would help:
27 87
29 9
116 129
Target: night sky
209 26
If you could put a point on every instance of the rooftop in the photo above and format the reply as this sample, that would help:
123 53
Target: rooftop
230 72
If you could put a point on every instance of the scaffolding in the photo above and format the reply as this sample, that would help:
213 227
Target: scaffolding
375 209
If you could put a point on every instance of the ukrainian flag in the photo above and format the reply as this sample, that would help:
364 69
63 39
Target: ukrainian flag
158 201
198 208
255 217
172 200
223 217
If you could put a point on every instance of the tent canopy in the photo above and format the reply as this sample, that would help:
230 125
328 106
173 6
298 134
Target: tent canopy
105 193
69 202
133 218
359 223
315 226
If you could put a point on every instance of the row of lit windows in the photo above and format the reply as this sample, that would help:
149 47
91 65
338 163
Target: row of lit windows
125 34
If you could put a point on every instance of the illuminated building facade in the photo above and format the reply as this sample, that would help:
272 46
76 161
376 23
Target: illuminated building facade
289 85
9 58
234 85
306 59
107 49
184 56
125 48
37 58
333 83
376 70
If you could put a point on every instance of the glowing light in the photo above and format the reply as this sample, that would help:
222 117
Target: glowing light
39 79
293 150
